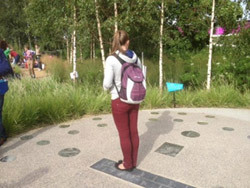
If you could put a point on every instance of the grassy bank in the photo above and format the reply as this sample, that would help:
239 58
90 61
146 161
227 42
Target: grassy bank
30 103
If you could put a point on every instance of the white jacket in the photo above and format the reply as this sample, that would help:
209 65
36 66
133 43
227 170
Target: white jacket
112 72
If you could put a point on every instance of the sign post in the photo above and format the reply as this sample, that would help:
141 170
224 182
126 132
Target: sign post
173 87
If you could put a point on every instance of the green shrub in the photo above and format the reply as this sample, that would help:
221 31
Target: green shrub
234 64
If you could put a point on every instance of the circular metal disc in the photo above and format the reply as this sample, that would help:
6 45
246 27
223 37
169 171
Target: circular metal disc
228 129
178 120
102 125
154 113
43 142
190 134
202 123
97 118
26 137
69 152
8 158
182 113
64 126
73 132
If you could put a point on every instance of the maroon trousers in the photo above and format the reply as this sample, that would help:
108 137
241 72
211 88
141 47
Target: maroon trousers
125 117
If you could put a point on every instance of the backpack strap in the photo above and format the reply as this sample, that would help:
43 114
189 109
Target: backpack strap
119 59
122 62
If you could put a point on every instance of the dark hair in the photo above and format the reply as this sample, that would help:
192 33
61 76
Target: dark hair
120 38
3 45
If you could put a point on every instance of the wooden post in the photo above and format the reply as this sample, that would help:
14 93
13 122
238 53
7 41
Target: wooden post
174 99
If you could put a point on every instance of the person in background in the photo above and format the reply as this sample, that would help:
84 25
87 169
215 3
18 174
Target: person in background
15 56
125 115
3 135
29 57
38 56
5 48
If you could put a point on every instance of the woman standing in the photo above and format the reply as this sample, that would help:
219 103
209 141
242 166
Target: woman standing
29 57
125 115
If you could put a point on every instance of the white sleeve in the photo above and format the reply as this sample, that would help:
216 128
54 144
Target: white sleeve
139 62
108 74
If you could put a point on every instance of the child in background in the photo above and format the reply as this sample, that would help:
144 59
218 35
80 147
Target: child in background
15 56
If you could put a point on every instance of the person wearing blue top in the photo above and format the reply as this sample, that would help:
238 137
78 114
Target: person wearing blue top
3 135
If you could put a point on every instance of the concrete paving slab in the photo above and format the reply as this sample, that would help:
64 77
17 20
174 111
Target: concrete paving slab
217 158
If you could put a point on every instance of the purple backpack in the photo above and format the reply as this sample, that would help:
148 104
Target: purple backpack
133 83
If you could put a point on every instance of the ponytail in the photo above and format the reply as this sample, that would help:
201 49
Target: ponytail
120 38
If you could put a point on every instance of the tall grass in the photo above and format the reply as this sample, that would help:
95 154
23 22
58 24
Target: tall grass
59 69
218 96
45 101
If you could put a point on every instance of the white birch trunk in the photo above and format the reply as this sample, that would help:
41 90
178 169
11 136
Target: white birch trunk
116 15
71 49
74 44
209 65
100 34
74 50
161 46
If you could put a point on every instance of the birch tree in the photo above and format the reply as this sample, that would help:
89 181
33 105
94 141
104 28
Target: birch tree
74 44
100 33
116 15
209 65
161 46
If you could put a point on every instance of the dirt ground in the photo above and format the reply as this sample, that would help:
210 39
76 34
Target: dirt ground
39 73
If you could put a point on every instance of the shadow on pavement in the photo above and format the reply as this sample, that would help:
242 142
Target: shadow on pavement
21 142
161 126
28 179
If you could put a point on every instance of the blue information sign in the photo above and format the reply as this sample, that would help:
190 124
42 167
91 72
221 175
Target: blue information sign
174 86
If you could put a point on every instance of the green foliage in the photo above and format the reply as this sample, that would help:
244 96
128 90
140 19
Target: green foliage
227 13
233 60
50 23
13 27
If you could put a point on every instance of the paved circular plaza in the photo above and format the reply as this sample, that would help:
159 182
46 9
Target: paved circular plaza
196 147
